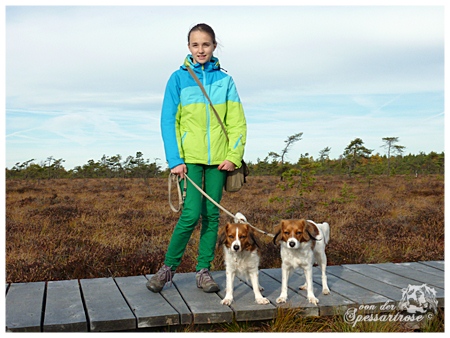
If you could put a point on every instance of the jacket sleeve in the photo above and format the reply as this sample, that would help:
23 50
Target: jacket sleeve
169 122
236 125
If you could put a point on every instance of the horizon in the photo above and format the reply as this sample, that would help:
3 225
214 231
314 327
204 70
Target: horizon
165 167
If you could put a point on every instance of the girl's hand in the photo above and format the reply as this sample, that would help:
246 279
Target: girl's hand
179 170
227 166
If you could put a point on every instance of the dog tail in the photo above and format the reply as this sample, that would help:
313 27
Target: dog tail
240 218
324 229
326 232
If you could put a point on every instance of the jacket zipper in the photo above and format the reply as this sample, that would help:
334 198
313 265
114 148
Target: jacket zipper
208 120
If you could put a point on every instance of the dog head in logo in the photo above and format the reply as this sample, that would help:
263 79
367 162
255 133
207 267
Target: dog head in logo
418 299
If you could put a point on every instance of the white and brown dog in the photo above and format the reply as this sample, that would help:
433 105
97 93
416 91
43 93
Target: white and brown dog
241 256
302 243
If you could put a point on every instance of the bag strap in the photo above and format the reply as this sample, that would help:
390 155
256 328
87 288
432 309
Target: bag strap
206 95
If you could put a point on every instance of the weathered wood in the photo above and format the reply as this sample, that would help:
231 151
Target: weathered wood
391 278
107 310
150 309
24 303
435 264
272 289
409 272
64 310
173 297
429 270
243 305
334 303
388 290
124 303
205 307
348 290
379 274
330 304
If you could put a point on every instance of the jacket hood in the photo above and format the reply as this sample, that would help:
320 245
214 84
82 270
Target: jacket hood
213 64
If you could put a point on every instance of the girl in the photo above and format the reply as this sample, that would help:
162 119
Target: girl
195 144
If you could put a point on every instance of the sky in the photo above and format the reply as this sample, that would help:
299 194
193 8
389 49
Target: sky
86 81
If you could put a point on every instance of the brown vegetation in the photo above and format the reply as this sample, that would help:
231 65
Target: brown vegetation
84 228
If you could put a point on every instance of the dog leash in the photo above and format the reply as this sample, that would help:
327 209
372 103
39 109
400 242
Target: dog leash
183 196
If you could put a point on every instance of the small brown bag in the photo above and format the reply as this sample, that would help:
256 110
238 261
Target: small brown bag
236 178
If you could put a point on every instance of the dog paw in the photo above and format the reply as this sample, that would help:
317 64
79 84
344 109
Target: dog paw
303 287
313 300
281 299
261 288
326 291
226 301
262 301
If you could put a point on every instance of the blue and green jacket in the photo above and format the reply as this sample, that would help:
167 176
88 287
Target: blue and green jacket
189 127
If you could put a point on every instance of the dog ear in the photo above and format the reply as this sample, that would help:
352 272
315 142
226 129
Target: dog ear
277 231
311 231
253 239
222 235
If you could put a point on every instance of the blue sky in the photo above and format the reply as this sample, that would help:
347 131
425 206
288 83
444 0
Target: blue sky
87 81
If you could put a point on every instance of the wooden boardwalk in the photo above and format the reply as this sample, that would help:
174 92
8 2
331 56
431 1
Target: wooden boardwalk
124 303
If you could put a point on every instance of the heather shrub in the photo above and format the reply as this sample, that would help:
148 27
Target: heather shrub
84 228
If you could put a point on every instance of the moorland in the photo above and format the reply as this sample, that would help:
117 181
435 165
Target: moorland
59 229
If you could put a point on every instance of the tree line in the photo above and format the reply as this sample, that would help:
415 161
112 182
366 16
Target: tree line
355 160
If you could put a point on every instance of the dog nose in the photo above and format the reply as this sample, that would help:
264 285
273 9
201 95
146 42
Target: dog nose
291 244
236 247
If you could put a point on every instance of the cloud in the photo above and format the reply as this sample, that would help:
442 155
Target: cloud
92 78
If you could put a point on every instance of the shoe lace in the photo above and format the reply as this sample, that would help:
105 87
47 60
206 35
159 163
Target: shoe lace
165 274
204 277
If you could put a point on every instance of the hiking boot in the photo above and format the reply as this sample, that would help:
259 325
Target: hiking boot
205 281
159 279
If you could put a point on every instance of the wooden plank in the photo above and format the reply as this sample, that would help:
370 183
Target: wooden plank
150 309
348 290
391 278
205 307
173 297
384 276
330 304
24 304
106 308
413 274
435 264
272 289
425 269
388 290
64 310
243 305
108 301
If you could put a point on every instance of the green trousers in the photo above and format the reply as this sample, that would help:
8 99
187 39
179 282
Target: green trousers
195 205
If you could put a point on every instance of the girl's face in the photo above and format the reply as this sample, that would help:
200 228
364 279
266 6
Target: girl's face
201 46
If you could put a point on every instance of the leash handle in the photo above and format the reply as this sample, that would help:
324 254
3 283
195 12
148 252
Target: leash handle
181 196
